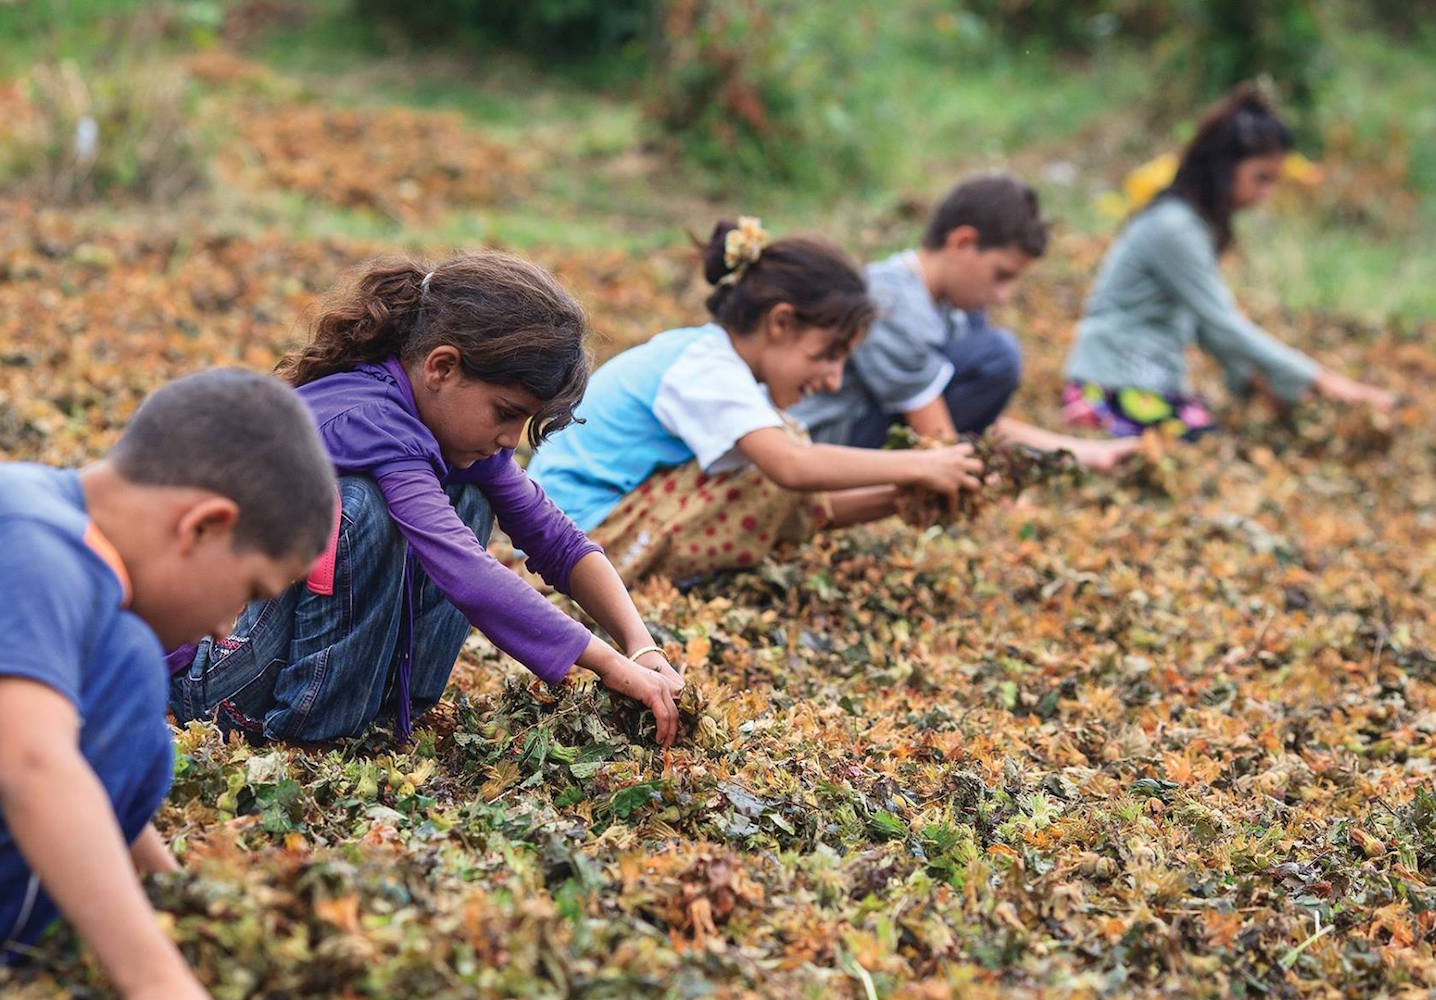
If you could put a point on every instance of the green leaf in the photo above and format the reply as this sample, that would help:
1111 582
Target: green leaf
626 801
888 826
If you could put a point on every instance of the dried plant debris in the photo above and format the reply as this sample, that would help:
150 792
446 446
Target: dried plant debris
1008 470
1164 732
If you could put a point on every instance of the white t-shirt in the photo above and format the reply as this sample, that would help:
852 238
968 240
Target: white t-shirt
710 399
683 396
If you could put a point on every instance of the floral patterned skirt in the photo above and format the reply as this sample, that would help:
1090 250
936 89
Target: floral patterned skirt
1130 412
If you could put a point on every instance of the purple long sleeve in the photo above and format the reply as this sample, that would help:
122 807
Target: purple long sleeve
513 615
546 535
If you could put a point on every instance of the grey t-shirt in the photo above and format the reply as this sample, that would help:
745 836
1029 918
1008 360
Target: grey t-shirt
900 365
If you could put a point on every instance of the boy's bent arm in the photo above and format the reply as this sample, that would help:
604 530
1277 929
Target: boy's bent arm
933 421
150 853
60 818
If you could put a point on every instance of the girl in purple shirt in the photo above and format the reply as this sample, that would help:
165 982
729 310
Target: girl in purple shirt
421 381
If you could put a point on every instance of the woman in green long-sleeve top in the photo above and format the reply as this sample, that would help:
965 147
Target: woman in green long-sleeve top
1160 289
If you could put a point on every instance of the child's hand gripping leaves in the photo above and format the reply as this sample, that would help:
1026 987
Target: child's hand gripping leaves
657 688
945 474
1007 468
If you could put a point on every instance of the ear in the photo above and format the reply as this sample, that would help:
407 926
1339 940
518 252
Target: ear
442 365
781 321
211 516
961 238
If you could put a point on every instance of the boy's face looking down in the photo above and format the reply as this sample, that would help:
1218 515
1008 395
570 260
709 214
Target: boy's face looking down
969 277
193 582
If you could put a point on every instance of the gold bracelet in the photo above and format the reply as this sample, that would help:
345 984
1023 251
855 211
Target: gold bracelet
654 648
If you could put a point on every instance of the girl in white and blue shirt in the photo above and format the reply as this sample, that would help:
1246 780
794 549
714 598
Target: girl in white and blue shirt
683 463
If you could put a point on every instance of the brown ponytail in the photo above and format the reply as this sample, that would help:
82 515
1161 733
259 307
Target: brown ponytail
821 283
1241 126
509 319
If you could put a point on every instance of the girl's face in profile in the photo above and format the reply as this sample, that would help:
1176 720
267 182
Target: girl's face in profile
805 360
469 418
1254 179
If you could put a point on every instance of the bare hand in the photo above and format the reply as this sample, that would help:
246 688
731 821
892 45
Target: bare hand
657 662
947 470
655 688
1103 456
1340 389
186 988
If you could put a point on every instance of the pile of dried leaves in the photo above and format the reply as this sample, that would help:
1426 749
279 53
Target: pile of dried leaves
1169 731
404 164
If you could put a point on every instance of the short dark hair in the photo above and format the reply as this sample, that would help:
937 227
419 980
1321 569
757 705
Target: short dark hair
1003 210
821 283
244 436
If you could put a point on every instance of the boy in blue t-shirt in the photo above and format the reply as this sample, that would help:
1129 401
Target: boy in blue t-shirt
931 359
161 542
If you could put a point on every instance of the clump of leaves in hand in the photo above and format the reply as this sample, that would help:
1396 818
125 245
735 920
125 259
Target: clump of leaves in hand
1008 470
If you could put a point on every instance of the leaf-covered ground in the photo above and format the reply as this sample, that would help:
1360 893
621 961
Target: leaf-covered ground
1165 733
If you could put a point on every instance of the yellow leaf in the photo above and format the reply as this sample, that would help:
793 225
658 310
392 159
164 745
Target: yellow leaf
506 772
1144 182
342 912
1370 846
1301 170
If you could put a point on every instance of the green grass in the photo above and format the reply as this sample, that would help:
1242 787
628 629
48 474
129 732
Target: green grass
91 30
1303 264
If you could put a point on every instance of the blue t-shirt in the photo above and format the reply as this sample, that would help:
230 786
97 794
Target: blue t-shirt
686 395
63 623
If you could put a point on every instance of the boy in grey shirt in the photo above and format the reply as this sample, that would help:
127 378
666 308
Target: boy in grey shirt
931 359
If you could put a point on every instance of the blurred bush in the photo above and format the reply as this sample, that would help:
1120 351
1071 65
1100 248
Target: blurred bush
1204 46
805 93
1220 43
1404 19
1071 26
126 129
759 90
567 29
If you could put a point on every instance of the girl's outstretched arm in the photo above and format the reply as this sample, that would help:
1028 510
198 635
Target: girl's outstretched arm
596 586
862 505
1340 389
808 468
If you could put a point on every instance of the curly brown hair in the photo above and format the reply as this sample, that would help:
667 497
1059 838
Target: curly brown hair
511 321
